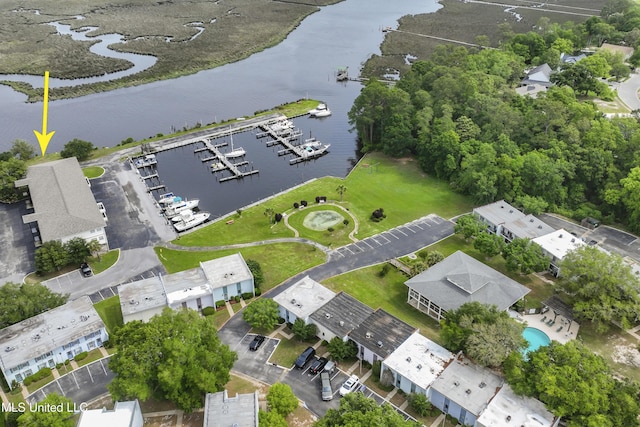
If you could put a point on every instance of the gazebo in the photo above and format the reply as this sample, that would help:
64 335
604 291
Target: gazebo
559 307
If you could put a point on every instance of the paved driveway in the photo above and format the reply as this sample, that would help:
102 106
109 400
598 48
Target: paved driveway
627 91
16 244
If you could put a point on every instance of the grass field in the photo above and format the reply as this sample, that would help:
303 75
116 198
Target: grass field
110 313
401 189
338 237
93 171
278 261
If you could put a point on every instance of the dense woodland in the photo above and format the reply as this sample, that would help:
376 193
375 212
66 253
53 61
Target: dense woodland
459 115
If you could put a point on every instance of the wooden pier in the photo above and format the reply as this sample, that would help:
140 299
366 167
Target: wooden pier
226 163
300 153
153 175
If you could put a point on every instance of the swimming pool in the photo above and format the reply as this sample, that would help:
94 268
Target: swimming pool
536 339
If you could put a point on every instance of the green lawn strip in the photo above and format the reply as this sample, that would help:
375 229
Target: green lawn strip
110 313
15 396
607 344
36 385
105 261
336 238
398 186
239 385
93 171
93 355
540 290
279 261
388 292
36 278
288 351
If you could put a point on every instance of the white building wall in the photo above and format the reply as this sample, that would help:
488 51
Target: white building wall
98 234
323 333
143 316
228 292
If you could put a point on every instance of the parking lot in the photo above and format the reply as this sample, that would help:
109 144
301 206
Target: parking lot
80 385
16 244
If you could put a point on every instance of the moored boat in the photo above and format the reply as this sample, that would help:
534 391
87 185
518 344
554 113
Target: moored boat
320 111
175 208
192 221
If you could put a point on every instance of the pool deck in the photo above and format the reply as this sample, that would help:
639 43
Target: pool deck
564 335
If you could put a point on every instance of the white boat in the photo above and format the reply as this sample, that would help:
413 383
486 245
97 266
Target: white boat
216 166
174 209
165 199
192 221
283 127
237 152
311 143
320 111
148 160
182 215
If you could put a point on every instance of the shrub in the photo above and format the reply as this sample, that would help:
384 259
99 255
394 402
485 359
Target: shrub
278 217
66 362
59 365
366 364
384 270
376 368
304 203
280 320
81 356
208 311
41 374
220 303
317 199
420 404
239 212
247 295
345 222
236 298
296 205
107 344
330 229
258 292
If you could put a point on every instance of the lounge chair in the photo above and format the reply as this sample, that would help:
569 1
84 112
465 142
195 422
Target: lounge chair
543 319
550 322
559 329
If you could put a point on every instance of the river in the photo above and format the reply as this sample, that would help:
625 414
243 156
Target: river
303 65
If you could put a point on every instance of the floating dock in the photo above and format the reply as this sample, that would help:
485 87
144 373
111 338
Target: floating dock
223 162
289 140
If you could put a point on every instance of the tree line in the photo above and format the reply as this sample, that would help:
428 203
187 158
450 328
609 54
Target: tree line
458 114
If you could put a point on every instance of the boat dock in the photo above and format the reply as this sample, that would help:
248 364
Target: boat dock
223 162
288 140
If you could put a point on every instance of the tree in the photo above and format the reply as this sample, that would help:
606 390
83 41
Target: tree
532 205
51 256
490 343
22 149
358 410
434 257
524 256
341 190
271 419
488 244
256 271
574 383
176 356
22 301
77 250
94 248
303 331
269 212
77 148
11 170
281 399
262 313
341 350
603 288
50 418
469 226
419 403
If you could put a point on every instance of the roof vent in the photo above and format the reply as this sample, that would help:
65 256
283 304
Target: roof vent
508 417
510 210
132 302
341 323
368 335
559 236
432 370
573 240
408 359
293 301
419 367
531 220
10 348
468 391
379 343
456 383
482 384
299 305
540 226
327 315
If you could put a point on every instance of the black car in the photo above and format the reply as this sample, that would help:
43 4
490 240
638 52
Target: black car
86 270
256 343
318 365
304 358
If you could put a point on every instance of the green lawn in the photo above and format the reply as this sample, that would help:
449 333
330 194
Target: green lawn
93 171
278 261
105 261
93 355
36 385
220 317
110 313
336 238
288 351
401 189
388 292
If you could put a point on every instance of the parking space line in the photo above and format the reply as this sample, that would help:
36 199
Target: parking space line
400 231
385 238
390 232
366 243
337 253
90 375
103 368
60 387
375 240
356 245
417 225
75 379
406 227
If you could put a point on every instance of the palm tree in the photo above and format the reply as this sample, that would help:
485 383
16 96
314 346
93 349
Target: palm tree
341 190
269 212
94 248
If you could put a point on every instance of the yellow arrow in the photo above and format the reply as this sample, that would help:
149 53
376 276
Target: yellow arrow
44 137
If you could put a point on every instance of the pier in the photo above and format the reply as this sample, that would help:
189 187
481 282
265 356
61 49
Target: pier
224 162
311 149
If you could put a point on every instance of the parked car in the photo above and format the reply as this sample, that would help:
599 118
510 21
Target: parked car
330 367
318 365
86 270
256 343
349 385
305 357
327 391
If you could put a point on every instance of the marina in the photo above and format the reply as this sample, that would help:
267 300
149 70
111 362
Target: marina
310 149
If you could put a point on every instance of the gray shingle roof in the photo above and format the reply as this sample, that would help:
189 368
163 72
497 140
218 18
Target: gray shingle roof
459 279
342 314
382 333
63 202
